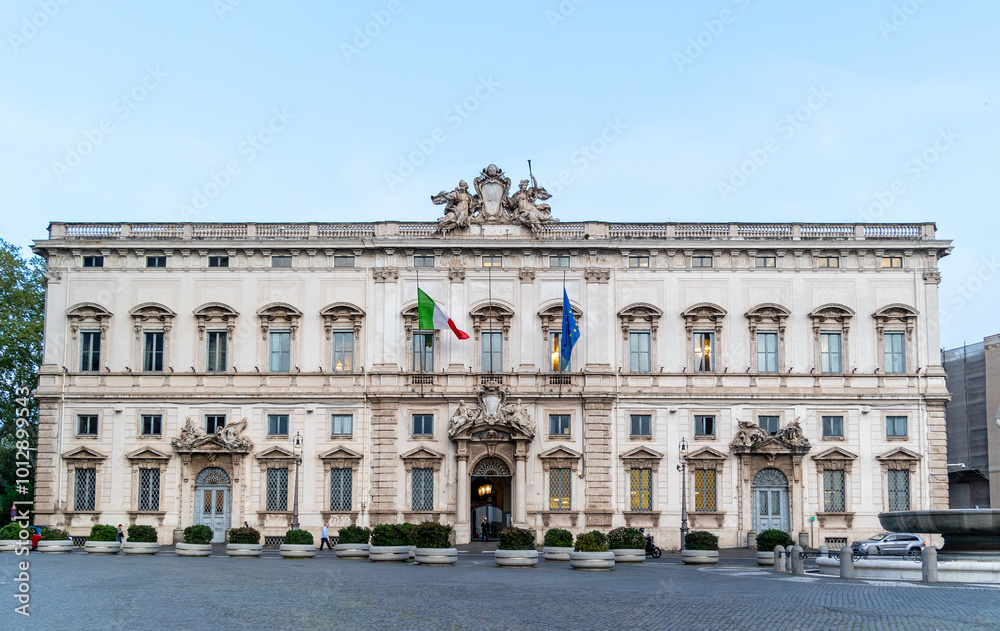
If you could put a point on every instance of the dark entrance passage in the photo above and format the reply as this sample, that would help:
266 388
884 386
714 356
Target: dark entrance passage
490 500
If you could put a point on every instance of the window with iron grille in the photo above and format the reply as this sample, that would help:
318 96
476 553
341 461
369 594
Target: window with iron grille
833 426
90 351
343 351
149 489
770 424
277 424
423 424
423 489
87 424
641 489
704 425
214 422
342 424
340 489
152 424
899 490
559 489
833 491
767 351
85 489
152 357
277 489
641 425
638 351
559 424
704 490
895 352
215 359
895 426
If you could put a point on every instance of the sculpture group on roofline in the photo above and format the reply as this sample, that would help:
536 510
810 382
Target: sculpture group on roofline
491 203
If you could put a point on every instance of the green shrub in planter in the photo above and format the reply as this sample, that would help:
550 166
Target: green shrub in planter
244 535
407 529
103 532
701 540
298 538
53 534
593 541
354 534
199 534
558 538
431 535
768 539
141 534
516 539
626 539
11 531
388 535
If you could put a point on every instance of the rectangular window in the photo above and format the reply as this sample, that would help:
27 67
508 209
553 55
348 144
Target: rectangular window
895 352
899 490
423 424
281 351
892 261
638 261
281 260
704 351
277 489
704 490
833 426
895 426
340 489
423 352
559 489
90 351
638 351
215 359
765 261
559 424
156 261
214 422
423 260
149 489
641 487
558 365
343 260
492 261
342 424
152 424
218 261
641 425
492 351
559 260
86 424
767 351
770 424
152 356
423 489
701 261
829 353
93 261
833 492
704 425
277 424
343 351
828 261
84 491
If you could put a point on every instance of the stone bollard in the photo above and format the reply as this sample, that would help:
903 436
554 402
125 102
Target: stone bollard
779 558
928 563
798 563
804 539
824 551
846 562
788 559
752 539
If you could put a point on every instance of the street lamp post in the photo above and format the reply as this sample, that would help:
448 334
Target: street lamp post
682 467
298 459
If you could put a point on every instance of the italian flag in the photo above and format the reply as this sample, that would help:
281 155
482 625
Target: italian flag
432 316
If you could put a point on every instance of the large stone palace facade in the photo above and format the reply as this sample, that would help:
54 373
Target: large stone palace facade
201 373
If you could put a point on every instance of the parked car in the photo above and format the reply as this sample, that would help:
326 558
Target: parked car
901 543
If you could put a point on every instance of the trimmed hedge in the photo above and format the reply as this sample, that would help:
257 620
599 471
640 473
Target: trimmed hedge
389 535
431 535
516 539
244 535
298 538
701 540
53 534
11 531
407 529
141 534
593 541
626 539
768 539
103 532
200 534
354 534
558 538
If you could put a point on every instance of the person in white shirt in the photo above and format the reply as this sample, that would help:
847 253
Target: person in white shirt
326 538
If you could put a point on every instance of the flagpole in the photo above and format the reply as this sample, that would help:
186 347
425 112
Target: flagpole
489 284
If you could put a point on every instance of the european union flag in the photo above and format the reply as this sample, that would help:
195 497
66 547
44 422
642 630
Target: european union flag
570 331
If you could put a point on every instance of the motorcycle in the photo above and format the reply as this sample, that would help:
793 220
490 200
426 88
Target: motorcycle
651 550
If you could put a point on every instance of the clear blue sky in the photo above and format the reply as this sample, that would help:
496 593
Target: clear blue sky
683 93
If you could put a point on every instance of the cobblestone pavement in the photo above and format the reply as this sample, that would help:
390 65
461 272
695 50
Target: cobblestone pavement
78 591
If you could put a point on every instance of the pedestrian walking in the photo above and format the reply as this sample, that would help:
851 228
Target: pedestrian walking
485 529
326 538
121 533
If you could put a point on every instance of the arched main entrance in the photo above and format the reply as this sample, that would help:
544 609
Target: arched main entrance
490 499
212 501
770 500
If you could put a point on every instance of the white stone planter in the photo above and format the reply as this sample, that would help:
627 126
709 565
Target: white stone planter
102 547
593 561
516 558
140 547
297 551
765 558
436 556
629 555
8 545
193 549
413 551
556 554
700 557
244 550
351 550
384 554
55 546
